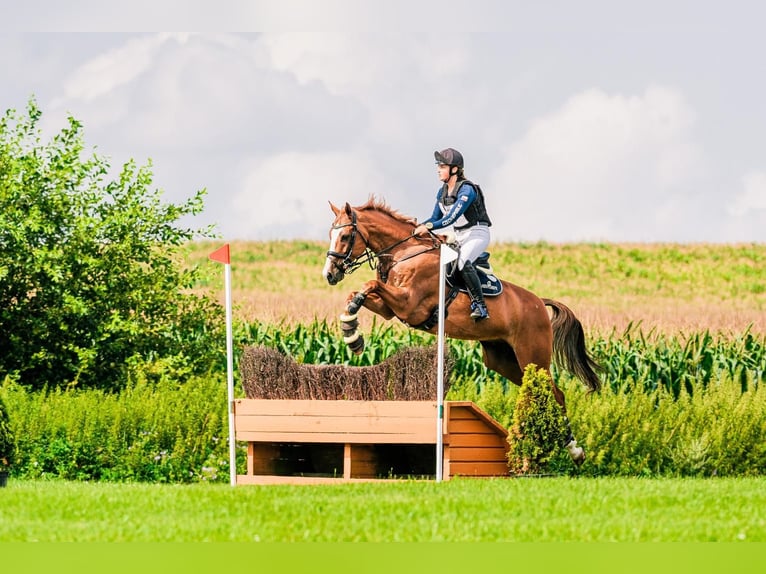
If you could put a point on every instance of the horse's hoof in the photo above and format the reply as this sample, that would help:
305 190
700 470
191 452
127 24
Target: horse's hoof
576 452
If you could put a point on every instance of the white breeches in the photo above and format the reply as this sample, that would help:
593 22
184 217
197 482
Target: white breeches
473 242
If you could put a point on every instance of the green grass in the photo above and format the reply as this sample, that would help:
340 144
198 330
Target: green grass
588 271
519 510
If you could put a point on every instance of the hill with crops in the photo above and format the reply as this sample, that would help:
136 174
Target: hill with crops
665 288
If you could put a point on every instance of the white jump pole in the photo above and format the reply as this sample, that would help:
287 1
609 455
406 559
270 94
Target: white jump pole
222 255
446 255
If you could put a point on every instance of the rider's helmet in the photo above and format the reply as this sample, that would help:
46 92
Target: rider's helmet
449 157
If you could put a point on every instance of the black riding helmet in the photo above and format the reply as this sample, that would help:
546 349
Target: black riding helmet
450 157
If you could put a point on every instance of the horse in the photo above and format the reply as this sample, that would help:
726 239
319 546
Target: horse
519 331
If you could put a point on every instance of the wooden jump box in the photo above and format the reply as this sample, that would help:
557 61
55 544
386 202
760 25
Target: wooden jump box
316 441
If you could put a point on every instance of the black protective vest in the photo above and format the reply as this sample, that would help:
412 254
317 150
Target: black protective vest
476 212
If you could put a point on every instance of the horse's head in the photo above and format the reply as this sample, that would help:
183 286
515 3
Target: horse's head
347 244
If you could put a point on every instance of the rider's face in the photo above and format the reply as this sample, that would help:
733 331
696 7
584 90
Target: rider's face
443 170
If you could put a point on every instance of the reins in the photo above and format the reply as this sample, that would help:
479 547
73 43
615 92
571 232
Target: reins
349 265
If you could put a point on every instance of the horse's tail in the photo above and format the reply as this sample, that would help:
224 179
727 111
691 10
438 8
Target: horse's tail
569 345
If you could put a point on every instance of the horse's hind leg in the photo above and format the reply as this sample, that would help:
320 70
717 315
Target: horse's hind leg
500 357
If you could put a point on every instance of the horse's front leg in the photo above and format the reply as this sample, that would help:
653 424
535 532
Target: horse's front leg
372 301
366 297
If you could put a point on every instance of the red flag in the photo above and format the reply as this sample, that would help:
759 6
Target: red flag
221 255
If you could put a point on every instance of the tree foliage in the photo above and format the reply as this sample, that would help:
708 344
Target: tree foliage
90 278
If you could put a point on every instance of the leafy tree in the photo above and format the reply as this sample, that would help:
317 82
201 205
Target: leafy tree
90 275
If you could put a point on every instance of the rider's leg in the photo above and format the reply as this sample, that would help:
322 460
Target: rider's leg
473 242
478 308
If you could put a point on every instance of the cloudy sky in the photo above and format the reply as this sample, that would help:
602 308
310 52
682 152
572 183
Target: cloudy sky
582 121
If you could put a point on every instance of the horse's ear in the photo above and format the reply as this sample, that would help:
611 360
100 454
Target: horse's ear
335 210
347 207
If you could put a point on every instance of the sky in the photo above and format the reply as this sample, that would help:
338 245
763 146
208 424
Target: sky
582 121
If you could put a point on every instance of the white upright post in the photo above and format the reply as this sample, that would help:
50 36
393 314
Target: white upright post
446 255
222 255
230 379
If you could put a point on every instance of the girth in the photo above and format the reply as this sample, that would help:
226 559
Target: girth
433 319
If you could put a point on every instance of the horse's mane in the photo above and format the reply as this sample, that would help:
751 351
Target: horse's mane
375 204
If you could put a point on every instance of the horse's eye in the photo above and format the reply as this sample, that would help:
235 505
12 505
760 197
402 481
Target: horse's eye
344 237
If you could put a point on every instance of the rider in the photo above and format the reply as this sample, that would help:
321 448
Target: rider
460 202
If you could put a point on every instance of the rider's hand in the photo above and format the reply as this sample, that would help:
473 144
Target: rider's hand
420 230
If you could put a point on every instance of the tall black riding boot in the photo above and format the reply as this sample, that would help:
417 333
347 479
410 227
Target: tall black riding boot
472 283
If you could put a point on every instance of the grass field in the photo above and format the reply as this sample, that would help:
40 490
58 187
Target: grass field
663 287
511 510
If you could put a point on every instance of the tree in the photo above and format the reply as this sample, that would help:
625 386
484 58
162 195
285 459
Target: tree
90 277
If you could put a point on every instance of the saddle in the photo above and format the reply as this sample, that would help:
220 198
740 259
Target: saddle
490 285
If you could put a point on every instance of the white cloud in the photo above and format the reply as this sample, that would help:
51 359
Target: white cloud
286 195
318 116
753 198
602 166
117 67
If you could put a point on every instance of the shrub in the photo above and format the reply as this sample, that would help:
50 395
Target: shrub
149 432
539 425
7 440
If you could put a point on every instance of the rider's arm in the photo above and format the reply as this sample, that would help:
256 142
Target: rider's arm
437 213
465 198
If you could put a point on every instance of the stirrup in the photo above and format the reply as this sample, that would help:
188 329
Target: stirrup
479 311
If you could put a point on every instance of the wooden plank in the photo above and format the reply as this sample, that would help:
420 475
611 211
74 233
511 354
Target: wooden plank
346 461
270 423
461 412
338 437
470 426
462 406
414 409
478 468
479 440
490 454
243 479
250 453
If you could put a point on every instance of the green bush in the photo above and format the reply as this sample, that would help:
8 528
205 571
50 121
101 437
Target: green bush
7 440
90 276
715 430
153 432
539 425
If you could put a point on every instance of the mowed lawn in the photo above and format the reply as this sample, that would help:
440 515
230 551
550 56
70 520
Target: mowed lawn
517 510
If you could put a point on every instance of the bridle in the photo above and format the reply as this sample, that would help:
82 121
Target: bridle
348 264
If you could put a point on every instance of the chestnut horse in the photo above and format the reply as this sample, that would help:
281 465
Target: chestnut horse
519 330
